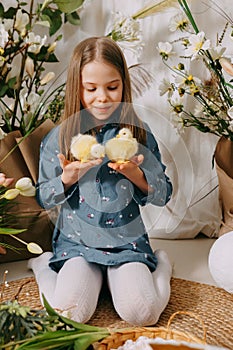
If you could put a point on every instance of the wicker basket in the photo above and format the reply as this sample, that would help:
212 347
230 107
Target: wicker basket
119 337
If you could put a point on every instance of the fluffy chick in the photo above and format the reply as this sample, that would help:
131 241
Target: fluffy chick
121 148
85 148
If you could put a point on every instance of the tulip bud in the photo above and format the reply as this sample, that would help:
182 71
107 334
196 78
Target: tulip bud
5 181
25 187
10 194
23 184
49 76
52 47
29 65
30 192
226 65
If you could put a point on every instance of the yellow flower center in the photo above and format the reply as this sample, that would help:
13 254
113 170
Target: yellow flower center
198 46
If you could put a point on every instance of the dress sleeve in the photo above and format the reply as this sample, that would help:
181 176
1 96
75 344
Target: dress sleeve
154 171
49 187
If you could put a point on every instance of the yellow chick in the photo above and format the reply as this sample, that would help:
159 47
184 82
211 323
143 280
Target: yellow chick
85 148
121 148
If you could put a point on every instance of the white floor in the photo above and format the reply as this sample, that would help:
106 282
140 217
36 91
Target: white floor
189 259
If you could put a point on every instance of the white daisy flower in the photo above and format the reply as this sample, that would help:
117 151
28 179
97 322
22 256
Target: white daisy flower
165 49
178 22
197 42
166 87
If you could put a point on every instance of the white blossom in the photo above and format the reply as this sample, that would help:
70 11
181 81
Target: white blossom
29 66
197 42
165 87
3 35
165 49
47 78
21 20
217 52
178 22
35 42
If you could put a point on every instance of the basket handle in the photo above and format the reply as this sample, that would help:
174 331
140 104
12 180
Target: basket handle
189 313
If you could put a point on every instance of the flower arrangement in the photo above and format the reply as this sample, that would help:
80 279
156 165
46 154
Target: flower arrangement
209 103
24 55
22 187
126 29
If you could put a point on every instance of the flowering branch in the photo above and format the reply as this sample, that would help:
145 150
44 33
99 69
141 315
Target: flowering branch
213 109
23 56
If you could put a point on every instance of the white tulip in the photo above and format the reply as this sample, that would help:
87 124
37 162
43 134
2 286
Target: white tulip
49 76
23 183
10 194
21 20
29 65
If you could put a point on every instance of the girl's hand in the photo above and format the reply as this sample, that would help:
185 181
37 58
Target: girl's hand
132 171
73 171
127 168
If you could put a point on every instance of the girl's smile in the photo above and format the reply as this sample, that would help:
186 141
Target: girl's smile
101 89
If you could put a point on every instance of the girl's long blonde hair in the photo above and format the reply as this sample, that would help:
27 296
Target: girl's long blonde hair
99 49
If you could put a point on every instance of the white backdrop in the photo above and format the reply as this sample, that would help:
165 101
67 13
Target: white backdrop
188 157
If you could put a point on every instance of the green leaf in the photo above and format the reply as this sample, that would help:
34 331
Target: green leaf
73 18
11 82
86 340
49 308
43 55
56 339
68 6
68 321
10 231
51 339
54 18
184 6
45 18
1 10
10 13
3 90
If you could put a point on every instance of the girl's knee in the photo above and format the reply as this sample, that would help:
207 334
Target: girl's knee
143 313
77 313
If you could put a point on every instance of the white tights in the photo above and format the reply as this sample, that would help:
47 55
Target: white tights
139 296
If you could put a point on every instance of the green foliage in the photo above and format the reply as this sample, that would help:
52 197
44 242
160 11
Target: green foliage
18 322
68 6
35 330
25 55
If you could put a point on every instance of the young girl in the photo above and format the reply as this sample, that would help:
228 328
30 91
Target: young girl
99 233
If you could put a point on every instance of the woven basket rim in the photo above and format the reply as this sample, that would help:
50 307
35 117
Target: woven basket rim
119 337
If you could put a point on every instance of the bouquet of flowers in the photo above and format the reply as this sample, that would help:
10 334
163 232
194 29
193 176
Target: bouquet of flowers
22 187
209 96
24 54
127 29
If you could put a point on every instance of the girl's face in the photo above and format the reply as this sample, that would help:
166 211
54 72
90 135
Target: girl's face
101 89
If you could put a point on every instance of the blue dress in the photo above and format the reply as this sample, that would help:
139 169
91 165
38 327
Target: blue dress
99 216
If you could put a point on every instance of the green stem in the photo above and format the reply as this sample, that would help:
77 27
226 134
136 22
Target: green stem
188 13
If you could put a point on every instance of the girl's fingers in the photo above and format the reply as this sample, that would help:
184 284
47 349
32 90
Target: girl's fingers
138 159
62 159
